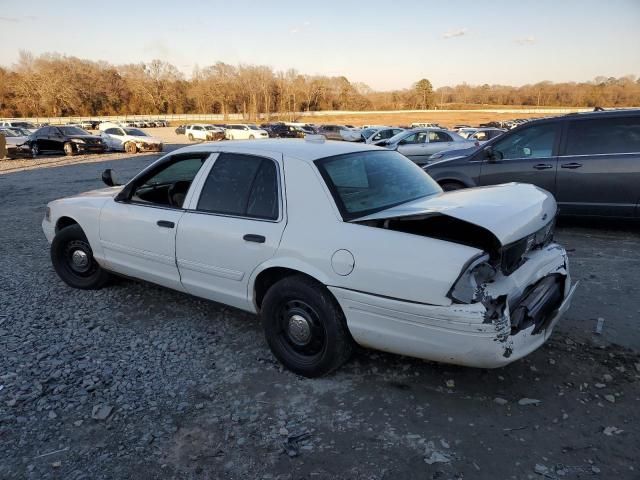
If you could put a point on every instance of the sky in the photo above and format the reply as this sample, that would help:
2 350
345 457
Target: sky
385 44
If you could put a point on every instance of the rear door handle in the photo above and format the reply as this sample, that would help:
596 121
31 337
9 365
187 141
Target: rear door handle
542 166
250 237
165 224
571 165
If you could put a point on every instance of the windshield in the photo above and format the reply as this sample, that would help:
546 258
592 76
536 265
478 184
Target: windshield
363 183
136 132
9 133
253 127
24 125
367 132
73 131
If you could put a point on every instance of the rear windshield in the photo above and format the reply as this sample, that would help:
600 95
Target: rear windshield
363 183
73 131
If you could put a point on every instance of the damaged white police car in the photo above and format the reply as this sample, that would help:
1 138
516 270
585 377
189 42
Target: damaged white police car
331 243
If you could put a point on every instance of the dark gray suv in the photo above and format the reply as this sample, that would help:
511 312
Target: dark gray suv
589 161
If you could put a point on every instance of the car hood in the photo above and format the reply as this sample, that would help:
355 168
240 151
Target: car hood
99 193
86 137
510 211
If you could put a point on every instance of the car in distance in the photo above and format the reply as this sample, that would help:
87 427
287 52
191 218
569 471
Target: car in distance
482 135
204 132
340 132
16 141
590 162
374 135
420 143
243 131
131 140
18 124
64 138
472 278
180 129
282 130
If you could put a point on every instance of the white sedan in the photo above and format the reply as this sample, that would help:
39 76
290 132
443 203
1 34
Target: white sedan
243 131
332 244
131 140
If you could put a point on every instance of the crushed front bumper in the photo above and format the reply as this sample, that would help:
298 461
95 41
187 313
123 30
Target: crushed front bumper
477 335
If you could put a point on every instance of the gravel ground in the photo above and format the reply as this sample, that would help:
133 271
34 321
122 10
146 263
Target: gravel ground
136 381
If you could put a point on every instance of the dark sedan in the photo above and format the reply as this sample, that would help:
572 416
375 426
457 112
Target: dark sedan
589 161
67 139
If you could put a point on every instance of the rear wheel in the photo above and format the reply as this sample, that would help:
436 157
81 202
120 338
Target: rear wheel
190 136
450 186
251 137
68 149
305 327
73 260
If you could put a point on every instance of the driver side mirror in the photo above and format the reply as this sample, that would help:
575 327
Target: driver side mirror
490 154
109 178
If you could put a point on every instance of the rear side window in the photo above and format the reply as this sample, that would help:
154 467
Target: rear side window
435 137
603 135
241 185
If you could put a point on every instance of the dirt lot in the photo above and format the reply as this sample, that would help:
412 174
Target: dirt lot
136 381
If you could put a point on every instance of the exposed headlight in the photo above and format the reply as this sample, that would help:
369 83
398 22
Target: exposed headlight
77 140
468 287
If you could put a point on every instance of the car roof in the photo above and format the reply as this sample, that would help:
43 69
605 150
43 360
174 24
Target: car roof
302 149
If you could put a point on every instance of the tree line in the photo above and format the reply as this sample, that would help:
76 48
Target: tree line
58 85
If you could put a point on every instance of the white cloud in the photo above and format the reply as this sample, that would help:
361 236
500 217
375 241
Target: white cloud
300 28
530 40
455 33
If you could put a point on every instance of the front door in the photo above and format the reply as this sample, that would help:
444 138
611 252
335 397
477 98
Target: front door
138 228
599 170
233 225
526 156
414 147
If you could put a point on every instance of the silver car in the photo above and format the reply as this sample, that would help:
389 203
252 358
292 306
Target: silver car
420 143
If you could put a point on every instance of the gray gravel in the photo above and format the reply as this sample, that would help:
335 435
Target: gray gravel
136 381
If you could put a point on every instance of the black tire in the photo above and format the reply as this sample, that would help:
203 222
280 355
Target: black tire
68 250
450 186
68 149
35 150
305 327
251 137
190 136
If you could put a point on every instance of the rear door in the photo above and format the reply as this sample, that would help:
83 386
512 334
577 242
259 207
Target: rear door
438 141
232 225
526 155
599 169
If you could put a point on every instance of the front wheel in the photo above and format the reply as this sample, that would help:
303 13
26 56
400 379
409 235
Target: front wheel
35 150
450 186
190 136
305 327
251 137
73 260
68 149
131 148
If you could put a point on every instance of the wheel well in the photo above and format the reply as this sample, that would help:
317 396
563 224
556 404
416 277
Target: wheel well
64 222
267 278
452 180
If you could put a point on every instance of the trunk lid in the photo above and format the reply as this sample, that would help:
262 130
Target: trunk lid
510 211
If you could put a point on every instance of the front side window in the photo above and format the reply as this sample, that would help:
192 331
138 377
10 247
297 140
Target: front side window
135 132
241 185
603 135
532 142
363 183
414 138
113 131
168 185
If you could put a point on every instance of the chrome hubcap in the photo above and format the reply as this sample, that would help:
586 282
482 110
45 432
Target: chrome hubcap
299 329
80 260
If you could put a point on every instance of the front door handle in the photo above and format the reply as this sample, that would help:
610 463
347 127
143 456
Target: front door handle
571 165
165 224
250 237
542 166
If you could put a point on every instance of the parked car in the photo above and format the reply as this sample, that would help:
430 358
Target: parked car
180 129
354 243
482 135
204 132
424 125
16 142
282 130
63 138
18 124
131 140
340 132
242 131
419 144
589 161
